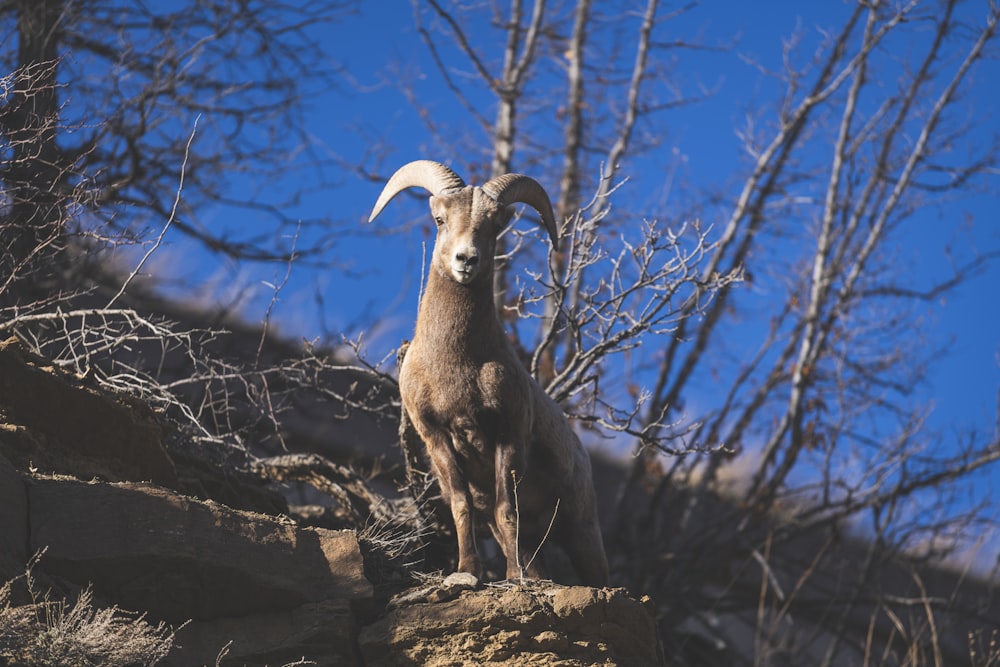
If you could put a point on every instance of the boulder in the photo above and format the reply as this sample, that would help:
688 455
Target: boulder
273 589
13 521
54 421
323 632
536 624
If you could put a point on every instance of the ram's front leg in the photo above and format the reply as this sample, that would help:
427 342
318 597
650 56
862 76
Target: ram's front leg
455 491
509 473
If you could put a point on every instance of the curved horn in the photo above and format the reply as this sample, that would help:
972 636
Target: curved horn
517 188
427 174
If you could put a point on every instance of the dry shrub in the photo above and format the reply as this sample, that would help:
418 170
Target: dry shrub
46 632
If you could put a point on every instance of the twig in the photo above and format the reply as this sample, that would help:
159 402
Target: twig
545 537
517 528
170 220
275 290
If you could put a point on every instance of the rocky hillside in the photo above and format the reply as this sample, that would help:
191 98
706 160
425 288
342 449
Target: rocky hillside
127 539
90 494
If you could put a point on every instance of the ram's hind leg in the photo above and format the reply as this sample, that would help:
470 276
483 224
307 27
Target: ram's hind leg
524 562
585 547
513 541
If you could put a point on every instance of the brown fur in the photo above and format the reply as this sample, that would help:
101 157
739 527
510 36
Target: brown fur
499 446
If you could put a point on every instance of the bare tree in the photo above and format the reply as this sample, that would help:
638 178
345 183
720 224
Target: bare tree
118 120
104 94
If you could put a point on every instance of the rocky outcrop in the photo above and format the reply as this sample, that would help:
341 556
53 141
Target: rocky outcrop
13 521
179 558
535 624
268 589
54 421
272 592
85 478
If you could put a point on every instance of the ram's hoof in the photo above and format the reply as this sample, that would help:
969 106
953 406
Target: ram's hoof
452 586
449 589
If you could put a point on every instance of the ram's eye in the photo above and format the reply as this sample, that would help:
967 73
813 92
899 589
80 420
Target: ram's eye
438 220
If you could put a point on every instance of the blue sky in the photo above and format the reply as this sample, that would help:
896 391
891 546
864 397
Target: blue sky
378 293
703 140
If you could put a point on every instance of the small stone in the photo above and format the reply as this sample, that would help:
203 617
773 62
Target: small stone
461 580
549 640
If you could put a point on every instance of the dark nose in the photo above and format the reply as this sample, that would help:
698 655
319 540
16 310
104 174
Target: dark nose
469 258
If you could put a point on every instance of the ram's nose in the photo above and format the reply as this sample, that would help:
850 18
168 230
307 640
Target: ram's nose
467 258
465 264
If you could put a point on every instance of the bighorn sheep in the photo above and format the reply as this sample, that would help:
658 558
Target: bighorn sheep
498 444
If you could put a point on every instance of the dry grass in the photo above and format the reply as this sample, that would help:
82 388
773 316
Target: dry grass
46 632
984 651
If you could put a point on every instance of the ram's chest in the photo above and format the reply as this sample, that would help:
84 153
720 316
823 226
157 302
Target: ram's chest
474 406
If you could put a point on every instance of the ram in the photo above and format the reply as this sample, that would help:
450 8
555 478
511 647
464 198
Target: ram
499 446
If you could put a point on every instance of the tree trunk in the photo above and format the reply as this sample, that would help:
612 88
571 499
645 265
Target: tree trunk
33 177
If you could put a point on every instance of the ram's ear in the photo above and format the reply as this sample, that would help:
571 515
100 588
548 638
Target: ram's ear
427 174
504 217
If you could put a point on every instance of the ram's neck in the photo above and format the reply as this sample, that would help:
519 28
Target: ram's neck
457 318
